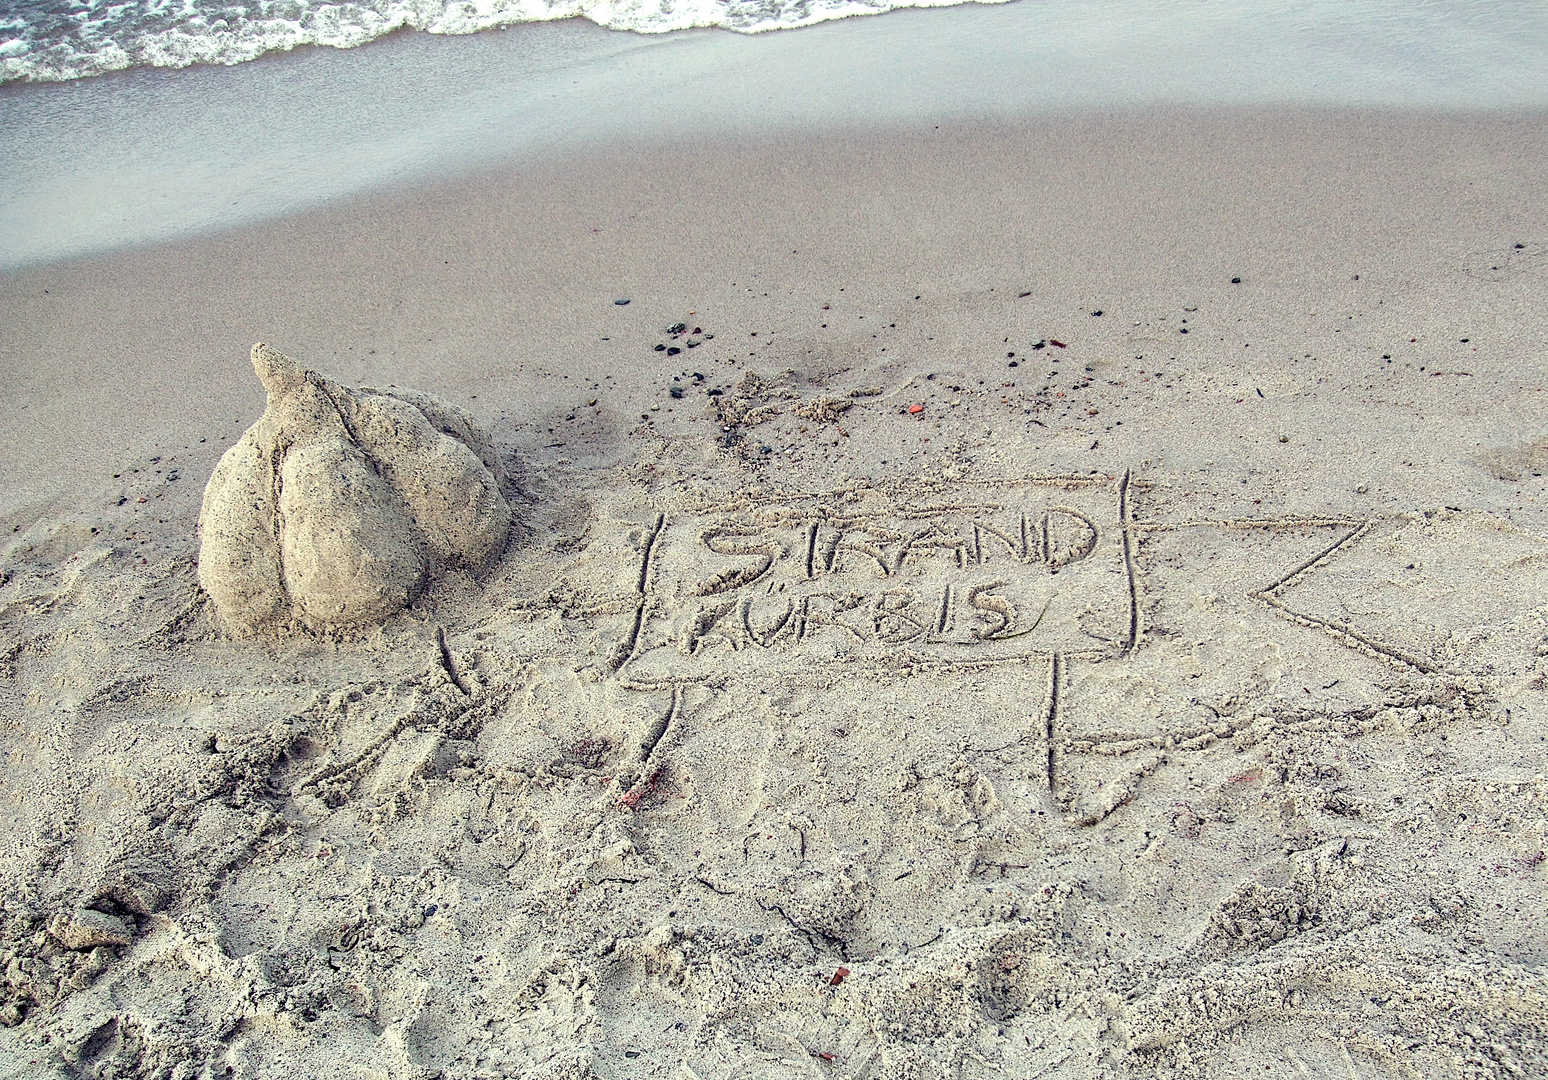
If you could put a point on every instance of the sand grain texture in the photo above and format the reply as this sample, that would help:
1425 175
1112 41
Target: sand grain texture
1166 705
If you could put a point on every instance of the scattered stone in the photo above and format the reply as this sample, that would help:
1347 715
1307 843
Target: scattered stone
89 929
621 303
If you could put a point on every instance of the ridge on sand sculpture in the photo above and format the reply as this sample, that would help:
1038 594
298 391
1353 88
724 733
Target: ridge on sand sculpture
339 504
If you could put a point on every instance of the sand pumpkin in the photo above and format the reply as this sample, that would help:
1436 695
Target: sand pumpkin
339 504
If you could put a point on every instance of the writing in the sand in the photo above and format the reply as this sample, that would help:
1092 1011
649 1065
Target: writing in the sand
996 577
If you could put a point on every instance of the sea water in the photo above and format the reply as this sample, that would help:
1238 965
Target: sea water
153 153
66 39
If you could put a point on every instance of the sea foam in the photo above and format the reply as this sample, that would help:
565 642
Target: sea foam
56 40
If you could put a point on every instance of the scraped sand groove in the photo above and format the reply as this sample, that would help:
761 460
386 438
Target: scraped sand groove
951 776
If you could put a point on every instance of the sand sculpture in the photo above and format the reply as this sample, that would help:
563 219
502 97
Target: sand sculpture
339 504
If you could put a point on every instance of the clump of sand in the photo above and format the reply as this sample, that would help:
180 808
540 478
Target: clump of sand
339 504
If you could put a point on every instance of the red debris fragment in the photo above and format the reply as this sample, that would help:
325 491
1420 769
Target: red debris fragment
825 1055
839 976
632 799
1057 344
916 408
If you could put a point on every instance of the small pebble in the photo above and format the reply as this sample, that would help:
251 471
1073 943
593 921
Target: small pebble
1236 281
620 303
1284 438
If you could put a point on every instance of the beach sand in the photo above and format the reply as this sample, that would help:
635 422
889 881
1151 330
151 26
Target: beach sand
995 643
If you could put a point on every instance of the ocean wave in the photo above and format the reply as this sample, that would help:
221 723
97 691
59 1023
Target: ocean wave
56 40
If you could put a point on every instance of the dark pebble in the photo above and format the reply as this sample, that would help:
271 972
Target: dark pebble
1041 345
765 448
432 909
676 391
661 348
1466 340
698 376
756 939
1184 330
1520 246
698 330
673 351
1236 281
709 337
677 328
1096 314
1011 364
620 303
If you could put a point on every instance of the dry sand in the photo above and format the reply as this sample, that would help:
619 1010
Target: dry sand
885 705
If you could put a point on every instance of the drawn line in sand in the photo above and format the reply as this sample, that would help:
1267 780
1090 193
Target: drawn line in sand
448 664
1341 631
890 575
849 580
625 650
1051 712
1126 526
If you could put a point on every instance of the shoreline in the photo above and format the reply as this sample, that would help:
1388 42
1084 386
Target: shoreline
219 147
